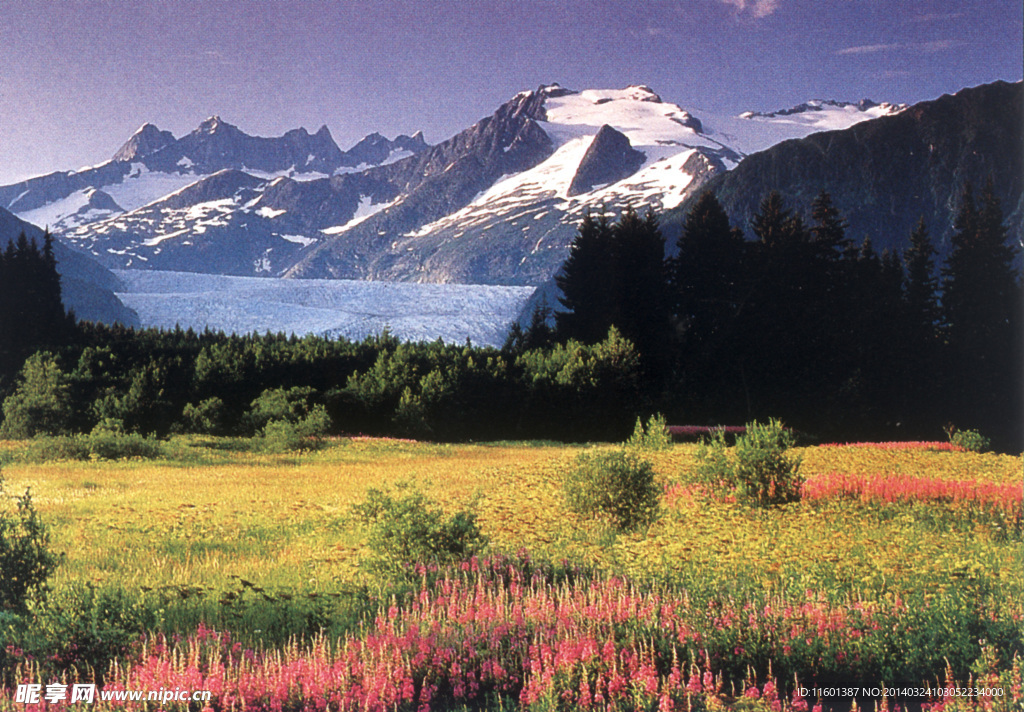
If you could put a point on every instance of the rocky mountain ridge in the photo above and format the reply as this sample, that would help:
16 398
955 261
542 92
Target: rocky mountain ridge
498 203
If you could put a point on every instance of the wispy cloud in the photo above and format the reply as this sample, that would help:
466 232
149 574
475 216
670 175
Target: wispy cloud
938 45
926 47
757 8
868 49
936 16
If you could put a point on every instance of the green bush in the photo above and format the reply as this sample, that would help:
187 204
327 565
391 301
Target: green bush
758 469
105 442
26 560
85 626
305 434
290 405
654 436
970 440
404 527
206 418
616 484
42 401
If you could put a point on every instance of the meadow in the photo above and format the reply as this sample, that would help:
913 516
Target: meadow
246 574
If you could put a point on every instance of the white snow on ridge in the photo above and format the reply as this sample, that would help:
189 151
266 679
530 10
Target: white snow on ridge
52 213
750 132
365 209
142 187
352 309
636 112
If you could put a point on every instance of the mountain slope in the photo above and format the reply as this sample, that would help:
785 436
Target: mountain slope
605 149
497 203
86 287
152 164
886 173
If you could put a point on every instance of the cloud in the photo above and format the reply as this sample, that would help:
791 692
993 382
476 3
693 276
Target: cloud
868 49
938 45
757 8
937 16
926 47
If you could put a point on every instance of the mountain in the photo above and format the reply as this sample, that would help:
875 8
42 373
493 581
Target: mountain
153 163
887 173
86 286
498 203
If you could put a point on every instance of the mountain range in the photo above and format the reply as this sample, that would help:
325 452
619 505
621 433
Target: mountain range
887 173
499 202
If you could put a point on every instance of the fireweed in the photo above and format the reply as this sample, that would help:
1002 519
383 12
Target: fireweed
505 631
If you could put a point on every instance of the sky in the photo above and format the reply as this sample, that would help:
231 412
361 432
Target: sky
78 77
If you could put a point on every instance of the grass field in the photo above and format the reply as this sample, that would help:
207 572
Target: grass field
899 562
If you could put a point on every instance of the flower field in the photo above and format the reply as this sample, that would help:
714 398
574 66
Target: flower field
901 567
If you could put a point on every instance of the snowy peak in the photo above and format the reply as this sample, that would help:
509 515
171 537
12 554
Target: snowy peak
375 149
148 139
825 105
213 125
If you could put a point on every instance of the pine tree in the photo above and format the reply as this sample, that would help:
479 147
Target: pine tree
709 289
31 313
921 285
585 281
640 306
981 306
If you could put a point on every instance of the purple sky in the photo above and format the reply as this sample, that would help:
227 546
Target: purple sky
77 78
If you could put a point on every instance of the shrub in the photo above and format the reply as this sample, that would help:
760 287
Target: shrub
617 484
105 442
42 401
653 437
305 434
758 470
206 418
26 560
282 404
404 527
970 440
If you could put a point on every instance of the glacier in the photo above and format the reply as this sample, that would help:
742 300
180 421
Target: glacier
326 307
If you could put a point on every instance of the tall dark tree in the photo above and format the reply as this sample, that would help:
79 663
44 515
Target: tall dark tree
31 313
641 309
981 304
921 286
585 281
615 276
709 289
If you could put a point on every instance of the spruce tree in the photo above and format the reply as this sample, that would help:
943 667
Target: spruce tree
708 285
981 308
585 282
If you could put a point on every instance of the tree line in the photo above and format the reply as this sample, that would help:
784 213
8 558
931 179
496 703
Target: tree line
798 323
802 323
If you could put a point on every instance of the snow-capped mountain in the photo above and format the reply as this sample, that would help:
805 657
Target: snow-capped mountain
153 163
497 203
886 175
754 131
595 150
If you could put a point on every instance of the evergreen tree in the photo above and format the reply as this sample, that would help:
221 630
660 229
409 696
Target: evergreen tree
640 308
615 276
981 305
708 286
585 281
921 286
31 313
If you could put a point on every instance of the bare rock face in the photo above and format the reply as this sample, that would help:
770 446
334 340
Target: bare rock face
609 159
147 140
